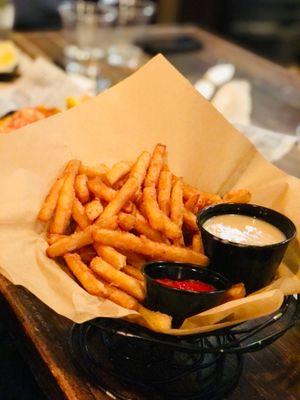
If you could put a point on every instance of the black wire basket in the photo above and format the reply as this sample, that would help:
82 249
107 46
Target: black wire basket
129 362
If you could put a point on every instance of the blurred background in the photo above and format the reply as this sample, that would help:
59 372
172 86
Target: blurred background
267 27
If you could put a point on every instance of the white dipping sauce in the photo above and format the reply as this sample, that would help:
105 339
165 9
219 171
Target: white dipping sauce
243 229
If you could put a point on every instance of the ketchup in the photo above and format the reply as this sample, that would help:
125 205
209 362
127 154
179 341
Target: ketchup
191 284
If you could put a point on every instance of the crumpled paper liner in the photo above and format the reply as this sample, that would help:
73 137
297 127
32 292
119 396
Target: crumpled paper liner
156 104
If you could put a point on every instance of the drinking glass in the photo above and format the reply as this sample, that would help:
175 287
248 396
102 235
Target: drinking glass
85 25
130 13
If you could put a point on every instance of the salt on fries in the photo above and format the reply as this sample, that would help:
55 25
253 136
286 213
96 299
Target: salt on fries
107 222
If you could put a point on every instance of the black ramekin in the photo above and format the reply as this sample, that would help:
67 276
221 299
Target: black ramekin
255 266
179 303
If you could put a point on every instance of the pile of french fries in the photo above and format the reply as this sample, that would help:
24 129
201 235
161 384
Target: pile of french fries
105 223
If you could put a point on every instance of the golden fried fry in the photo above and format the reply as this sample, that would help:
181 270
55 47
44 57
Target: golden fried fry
93 209
190 220
177 207
70 243
79 214
50 201
101 190
110 255
91 172
190 204
134 259
238 196
118 171
189 191
157 219
160 251
235 292
117 278
65 200
87 253
155 320
54 237
197 244
156 165
85 276
164 191
134 272
126 221
121 298
142 226
81 188
127 191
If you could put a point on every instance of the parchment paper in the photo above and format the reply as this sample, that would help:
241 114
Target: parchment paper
156 104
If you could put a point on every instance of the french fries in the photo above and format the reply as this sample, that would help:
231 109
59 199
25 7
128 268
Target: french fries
160 251
117 278
70 243
156 165
50 202
65 200
106 223
81 188
164 191
85 276
110 255
93 209
79 214
235 292
117 172
157 219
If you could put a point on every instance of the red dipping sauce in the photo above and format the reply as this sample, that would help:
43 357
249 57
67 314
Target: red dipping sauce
190 284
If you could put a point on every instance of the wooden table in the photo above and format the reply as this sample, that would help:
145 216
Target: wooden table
273 373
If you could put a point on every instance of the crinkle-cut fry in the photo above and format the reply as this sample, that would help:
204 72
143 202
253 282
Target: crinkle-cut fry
117 278
127 191
65 200
87 253
190 204
134 272
101 190
118 171
134 259
156 164
164 191
197 244
81 188
79 214
160 251
85 276
121 298
91 172
54 237
110 255
190 220
50 201
142 226
70 243
237 196
93 209
235 292
157 219
126 221
155 320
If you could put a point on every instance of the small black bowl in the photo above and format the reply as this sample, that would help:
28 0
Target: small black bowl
255 266
179 303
